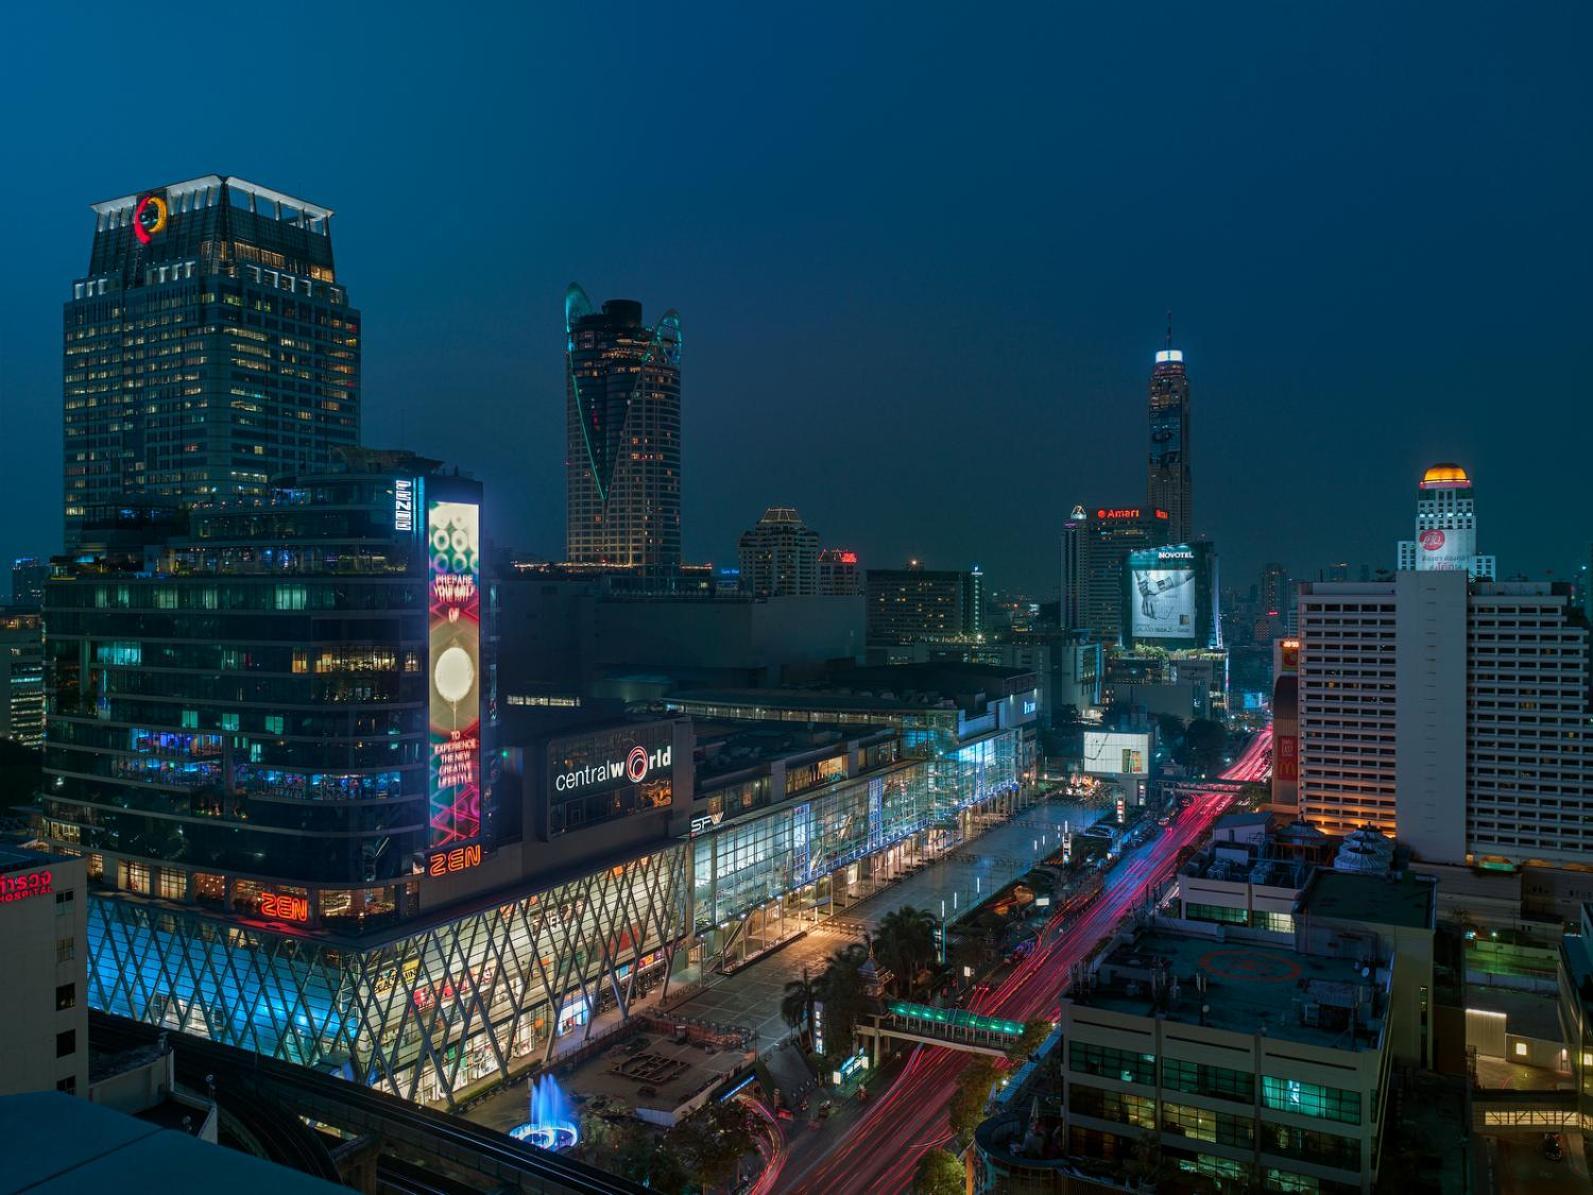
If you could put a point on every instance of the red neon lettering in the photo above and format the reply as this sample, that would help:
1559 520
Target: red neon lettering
284 908
461 858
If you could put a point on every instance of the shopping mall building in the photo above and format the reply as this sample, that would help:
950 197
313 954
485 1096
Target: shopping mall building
314 829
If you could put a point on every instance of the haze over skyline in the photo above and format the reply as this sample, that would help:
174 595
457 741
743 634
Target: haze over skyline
924 323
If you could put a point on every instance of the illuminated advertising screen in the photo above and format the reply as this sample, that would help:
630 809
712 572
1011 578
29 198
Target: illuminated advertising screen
1286 758
1445 549
453 533
1167 434
1111 753
1162 597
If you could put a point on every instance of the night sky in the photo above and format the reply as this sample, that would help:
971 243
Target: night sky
922 257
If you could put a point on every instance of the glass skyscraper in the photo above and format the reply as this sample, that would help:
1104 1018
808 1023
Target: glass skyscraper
622 419
1170 486
208 348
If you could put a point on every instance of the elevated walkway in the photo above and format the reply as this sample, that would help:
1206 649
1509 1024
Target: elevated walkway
956 1028
1502 1110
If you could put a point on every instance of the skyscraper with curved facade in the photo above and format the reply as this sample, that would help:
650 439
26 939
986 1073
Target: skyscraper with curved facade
1170 486
622 421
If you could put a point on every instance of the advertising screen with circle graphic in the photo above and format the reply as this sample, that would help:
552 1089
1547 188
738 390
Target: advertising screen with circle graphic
453 532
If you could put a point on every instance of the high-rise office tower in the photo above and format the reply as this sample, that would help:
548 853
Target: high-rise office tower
1275 590
1170 487
1446 527
1449 712
913 604
1095 545
839 574
208 347
622 423
780 556
28 575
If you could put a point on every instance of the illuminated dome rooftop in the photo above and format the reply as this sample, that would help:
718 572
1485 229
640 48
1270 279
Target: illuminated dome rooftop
1445 475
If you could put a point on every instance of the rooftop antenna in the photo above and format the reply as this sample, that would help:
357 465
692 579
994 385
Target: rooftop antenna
1169 329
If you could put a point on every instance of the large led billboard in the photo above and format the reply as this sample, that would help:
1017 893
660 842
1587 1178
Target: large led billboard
1112 753
1445 549
453 535
1162 594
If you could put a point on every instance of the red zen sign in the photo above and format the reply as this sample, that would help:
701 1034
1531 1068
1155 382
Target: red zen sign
284 908
461 858
20 887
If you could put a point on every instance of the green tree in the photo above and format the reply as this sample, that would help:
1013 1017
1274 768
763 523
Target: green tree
940 1172
796 1006
967 1106
711 1142
840 989
1034 1034
906 944
1203 746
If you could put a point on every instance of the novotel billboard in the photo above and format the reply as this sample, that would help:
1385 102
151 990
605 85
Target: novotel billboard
453 534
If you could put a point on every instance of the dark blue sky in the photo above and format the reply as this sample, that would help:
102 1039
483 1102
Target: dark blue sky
922 254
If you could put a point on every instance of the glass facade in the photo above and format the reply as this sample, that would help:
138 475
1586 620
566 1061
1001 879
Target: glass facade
1310 1099
741 866
419 1013
1218 1082
1129 1066
208 349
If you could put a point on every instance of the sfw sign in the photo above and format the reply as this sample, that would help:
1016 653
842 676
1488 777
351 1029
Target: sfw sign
637 765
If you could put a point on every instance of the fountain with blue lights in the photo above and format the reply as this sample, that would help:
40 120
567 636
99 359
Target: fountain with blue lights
552 1123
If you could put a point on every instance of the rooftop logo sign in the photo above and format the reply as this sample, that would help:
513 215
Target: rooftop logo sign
637 765
149 218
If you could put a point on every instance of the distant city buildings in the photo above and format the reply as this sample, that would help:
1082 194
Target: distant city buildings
914 603
208 347
1446 527
622 437
839 573
1170 486
780 556
28 575
22 676
1095 546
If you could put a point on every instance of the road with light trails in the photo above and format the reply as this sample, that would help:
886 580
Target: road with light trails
879 1152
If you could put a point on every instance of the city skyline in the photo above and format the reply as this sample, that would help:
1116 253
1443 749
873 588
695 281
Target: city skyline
1324 304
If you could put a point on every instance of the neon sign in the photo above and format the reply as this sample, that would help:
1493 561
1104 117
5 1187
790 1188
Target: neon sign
149 218
20 887
1118 512
461 858
637 765
403 505
284 908
453 532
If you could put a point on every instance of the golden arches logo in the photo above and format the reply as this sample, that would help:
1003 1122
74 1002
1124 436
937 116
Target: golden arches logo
149 218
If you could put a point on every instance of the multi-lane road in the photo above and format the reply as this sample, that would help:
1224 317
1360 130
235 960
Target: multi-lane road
881 1145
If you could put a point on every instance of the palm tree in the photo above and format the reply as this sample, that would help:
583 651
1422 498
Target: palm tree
796 1006
906 943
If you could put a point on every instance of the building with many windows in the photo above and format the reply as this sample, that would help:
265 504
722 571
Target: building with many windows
43 938
208 348
1095 548
1169 485
622 437
780 556
1244 1062
1451 713
22 676
839 573
914 603
28 575
1446 526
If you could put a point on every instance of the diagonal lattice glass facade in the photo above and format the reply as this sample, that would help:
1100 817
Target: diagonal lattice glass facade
419 1014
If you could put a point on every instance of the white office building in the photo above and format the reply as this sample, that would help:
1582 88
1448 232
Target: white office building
1451 713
